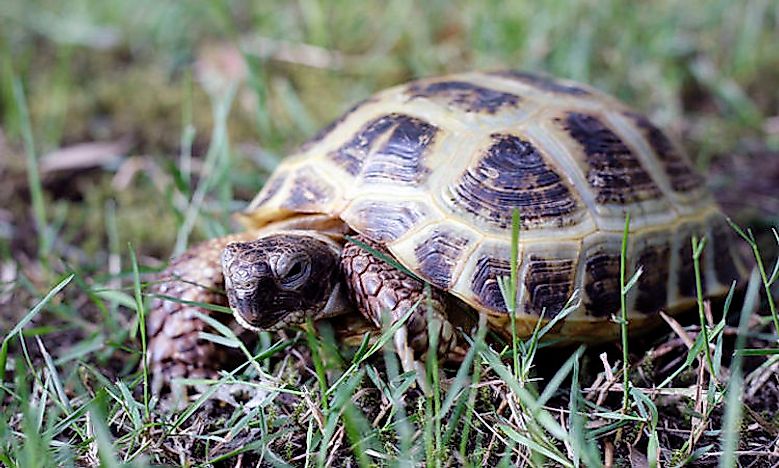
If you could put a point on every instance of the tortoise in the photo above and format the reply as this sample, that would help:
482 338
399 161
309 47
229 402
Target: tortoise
429 173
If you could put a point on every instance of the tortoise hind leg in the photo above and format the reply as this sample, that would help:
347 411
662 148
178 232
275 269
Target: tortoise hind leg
378 288
176 349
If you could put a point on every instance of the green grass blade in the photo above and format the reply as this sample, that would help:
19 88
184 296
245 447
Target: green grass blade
141 313
543 417
105 446
202 305
731 427
55 377
319 367
37 308
534 446
25 320
750 352
697 251
750 239
383 257
33 176
624 314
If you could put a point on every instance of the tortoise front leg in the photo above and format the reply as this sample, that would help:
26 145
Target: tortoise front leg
176 349
378 288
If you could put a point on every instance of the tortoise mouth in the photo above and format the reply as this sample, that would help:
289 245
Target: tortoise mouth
246 311
249 314
271 326
242 322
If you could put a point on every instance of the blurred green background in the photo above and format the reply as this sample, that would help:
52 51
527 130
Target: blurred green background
162 84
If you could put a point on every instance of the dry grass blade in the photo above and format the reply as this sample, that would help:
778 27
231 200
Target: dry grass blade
84 156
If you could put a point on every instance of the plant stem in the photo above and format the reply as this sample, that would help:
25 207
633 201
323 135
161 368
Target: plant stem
623 323
697 251
512 305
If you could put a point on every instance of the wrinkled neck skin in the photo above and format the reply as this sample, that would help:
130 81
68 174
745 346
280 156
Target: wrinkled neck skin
283 279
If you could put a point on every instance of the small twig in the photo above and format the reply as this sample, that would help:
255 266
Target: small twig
757 379
701 406
315 411
338 441
678 329
678 391
608 453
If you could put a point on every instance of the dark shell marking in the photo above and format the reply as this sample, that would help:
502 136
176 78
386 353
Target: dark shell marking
463 95
399 160
272 187
438 255
400 156
485 282
722 236
308 192
352 154
652 285
387 221
513 173
683 178
542 82
614 170
326 130
549 283
602 284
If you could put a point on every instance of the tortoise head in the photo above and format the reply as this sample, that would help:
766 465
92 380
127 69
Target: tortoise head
280 280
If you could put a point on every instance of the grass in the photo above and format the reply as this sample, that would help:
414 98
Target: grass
204 135
768 281
33 176
623 310
697 250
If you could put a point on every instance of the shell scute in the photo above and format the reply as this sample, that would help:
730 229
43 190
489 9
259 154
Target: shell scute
651 290
680 173
400 160
351 155
549 279
328 129
438 255
727 266
600 265
542 82
512 172
463 95
308 192
613 169
485 281
386 220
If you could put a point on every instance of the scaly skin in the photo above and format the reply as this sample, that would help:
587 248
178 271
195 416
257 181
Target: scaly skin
378 288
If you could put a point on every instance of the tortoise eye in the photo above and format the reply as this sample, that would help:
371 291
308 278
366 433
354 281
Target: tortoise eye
295 270
297 273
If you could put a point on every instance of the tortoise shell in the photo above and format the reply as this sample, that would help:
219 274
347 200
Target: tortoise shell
434 168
